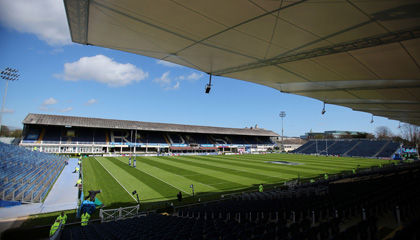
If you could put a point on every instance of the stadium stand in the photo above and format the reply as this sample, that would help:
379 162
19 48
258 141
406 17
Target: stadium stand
26 175
347 207
367 148
353 148
64 134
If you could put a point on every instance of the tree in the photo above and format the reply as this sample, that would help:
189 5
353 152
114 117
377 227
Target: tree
5 131
16 133
364 135
411 133
383 132
346 135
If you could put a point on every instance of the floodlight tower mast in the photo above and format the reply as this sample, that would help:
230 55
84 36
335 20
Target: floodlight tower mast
282 115
8 74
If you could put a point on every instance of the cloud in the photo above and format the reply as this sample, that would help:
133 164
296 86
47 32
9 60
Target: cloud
56 51
192 77
10 111
166 82
46 19
174 87
45 108
164 79
50 101
102 69
91 101
67 109
167 64
47 103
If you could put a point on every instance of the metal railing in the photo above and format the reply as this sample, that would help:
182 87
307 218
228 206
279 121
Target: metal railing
119 213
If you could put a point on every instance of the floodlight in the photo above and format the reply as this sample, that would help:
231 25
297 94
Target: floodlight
282 115
9 75
208 86
323 109
371 121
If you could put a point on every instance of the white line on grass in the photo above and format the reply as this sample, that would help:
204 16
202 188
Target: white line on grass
116 180
217 183
233 171
161 180
186 177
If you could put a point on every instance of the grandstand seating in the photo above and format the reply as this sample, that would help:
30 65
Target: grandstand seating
201 139
323 210
234 139
340 147
100 135
389 149
25 175
264 140
33 134
217 139
155 138
87 135
52 134
67 134
353 147
367 148
90 135
176 138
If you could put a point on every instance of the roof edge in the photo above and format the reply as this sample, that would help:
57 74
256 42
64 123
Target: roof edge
77 12
47 119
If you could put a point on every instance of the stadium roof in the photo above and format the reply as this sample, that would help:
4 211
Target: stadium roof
58 120
362 54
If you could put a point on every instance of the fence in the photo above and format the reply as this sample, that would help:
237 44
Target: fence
119 213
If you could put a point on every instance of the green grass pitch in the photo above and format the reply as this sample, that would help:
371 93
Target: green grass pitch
161 178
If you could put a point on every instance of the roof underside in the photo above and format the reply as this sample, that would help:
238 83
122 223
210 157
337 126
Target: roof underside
362 54
58 120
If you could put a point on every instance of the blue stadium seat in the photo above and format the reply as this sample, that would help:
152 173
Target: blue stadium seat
353 147
27 175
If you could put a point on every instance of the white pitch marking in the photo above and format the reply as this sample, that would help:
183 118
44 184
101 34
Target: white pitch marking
116 180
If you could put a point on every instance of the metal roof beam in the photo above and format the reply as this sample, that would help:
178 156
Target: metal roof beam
372 110
331 89
373 41
368 101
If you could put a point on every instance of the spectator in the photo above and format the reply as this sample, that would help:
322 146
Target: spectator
79 182
85 219
63 218
92 195
55 226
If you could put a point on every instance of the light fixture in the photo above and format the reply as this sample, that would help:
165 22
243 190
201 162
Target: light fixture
282 115
323 110
208 86
371 120
9 75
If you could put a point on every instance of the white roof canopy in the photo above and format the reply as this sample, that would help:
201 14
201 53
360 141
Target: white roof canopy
362 54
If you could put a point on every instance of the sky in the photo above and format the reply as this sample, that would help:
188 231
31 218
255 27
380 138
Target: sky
65 78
